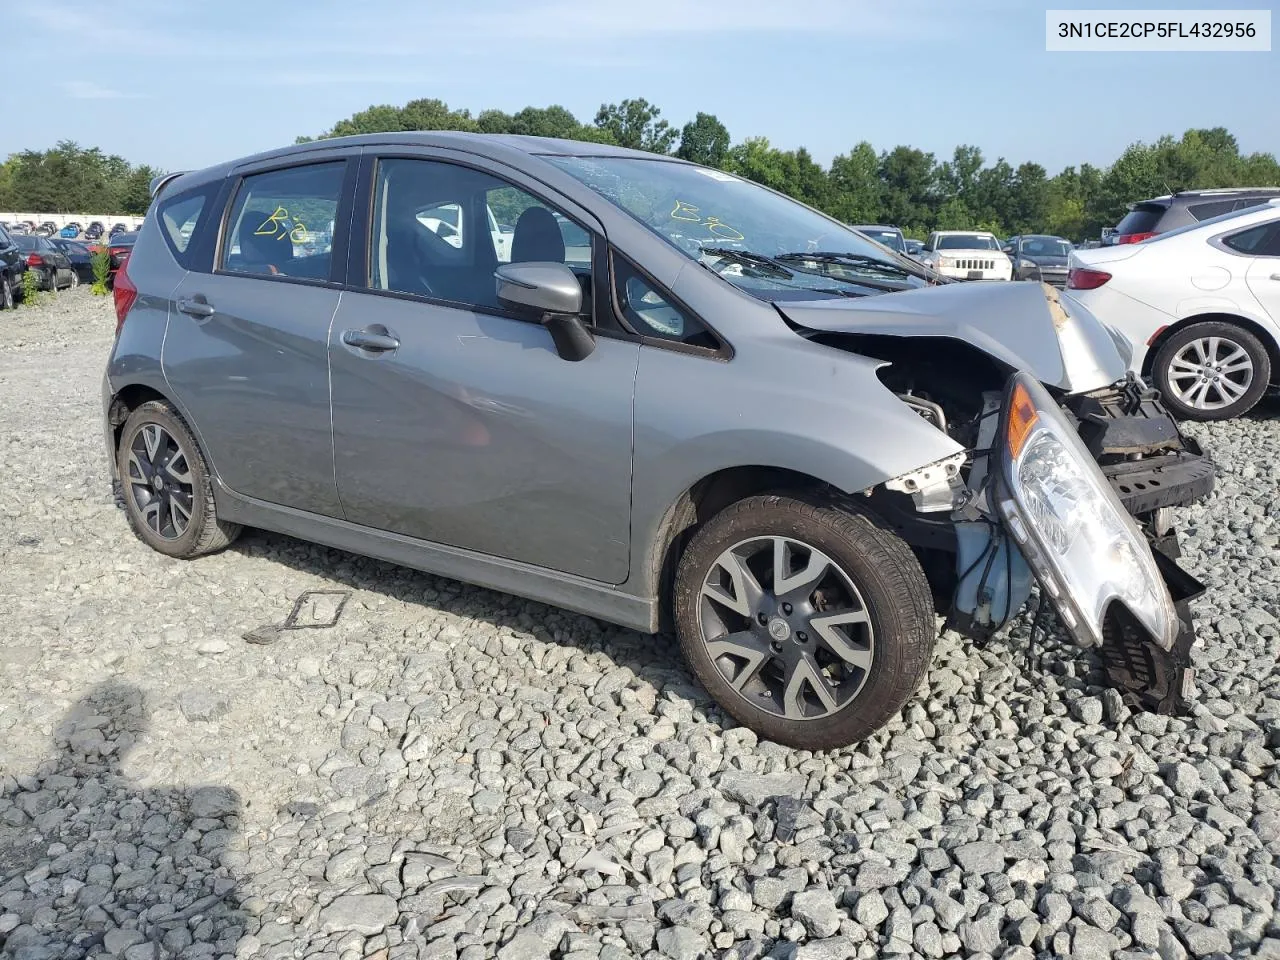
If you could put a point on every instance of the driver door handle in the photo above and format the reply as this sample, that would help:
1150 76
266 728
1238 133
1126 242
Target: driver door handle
370 340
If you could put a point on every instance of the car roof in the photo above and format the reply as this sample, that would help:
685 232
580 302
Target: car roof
964 233
493 146
1168 199
874 226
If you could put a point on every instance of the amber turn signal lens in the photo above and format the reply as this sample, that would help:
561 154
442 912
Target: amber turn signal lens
1022 418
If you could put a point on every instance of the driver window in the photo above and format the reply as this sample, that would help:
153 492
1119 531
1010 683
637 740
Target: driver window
440 230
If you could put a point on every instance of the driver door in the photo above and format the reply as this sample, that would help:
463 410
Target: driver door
464 426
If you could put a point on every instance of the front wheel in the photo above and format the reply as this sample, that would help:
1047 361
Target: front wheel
1211 371
804 618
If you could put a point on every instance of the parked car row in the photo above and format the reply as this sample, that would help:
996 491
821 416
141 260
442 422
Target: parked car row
979 255
71 231
56 263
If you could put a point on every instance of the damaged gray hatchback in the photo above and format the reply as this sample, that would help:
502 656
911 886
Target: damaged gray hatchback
654 393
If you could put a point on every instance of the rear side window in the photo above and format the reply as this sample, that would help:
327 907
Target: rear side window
1248 202
1141 219
282 222
1214 208
1260 241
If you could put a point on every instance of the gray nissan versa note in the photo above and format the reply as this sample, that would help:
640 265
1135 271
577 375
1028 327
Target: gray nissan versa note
654 393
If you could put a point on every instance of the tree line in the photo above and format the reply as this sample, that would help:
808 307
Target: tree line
72 179
906 186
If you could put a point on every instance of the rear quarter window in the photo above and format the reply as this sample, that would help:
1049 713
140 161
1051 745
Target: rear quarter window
182 218
1214 208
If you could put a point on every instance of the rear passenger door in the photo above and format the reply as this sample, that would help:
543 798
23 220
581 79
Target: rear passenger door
458 422
246 347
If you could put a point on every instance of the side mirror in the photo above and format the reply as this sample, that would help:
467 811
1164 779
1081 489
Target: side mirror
551 292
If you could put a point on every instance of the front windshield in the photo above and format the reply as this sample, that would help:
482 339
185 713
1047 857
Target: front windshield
1045 247
968 241
739 229
890 238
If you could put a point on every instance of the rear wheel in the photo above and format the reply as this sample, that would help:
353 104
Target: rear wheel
806 620
1211 371
6 293
75 280
168 493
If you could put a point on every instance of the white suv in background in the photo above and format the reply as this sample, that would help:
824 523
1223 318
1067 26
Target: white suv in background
1200 305
966 255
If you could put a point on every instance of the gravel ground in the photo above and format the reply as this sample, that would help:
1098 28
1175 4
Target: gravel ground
451 772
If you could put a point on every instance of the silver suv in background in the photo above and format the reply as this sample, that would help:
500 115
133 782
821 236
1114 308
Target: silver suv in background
1182 209
674 399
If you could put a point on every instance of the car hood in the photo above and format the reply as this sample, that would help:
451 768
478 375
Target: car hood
1025 326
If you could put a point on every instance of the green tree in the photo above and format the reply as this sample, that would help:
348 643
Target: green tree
382 118
855 185
1027 209
909 179
636 124
704 140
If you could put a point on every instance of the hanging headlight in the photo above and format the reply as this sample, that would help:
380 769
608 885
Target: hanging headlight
1086 550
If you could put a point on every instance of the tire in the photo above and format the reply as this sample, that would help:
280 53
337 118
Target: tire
1215 349
143 454
75 280
887 641
6 294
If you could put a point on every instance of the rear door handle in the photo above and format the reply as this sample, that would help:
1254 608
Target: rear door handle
196 306
370 340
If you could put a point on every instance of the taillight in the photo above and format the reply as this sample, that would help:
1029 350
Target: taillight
125 294
35 260
120 253
1134 237
1082 278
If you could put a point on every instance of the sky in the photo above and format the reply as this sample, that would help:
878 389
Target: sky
181 84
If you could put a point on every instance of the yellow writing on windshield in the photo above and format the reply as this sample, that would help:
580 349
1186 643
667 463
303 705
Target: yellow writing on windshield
715 226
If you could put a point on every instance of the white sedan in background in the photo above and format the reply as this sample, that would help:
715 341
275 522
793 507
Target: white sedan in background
966 255
1200 305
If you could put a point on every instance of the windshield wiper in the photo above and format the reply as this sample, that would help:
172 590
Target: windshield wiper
756 260
861 260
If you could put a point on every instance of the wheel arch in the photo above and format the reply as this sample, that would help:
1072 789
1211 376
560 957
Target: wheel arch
1265 337
127 399
697 504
